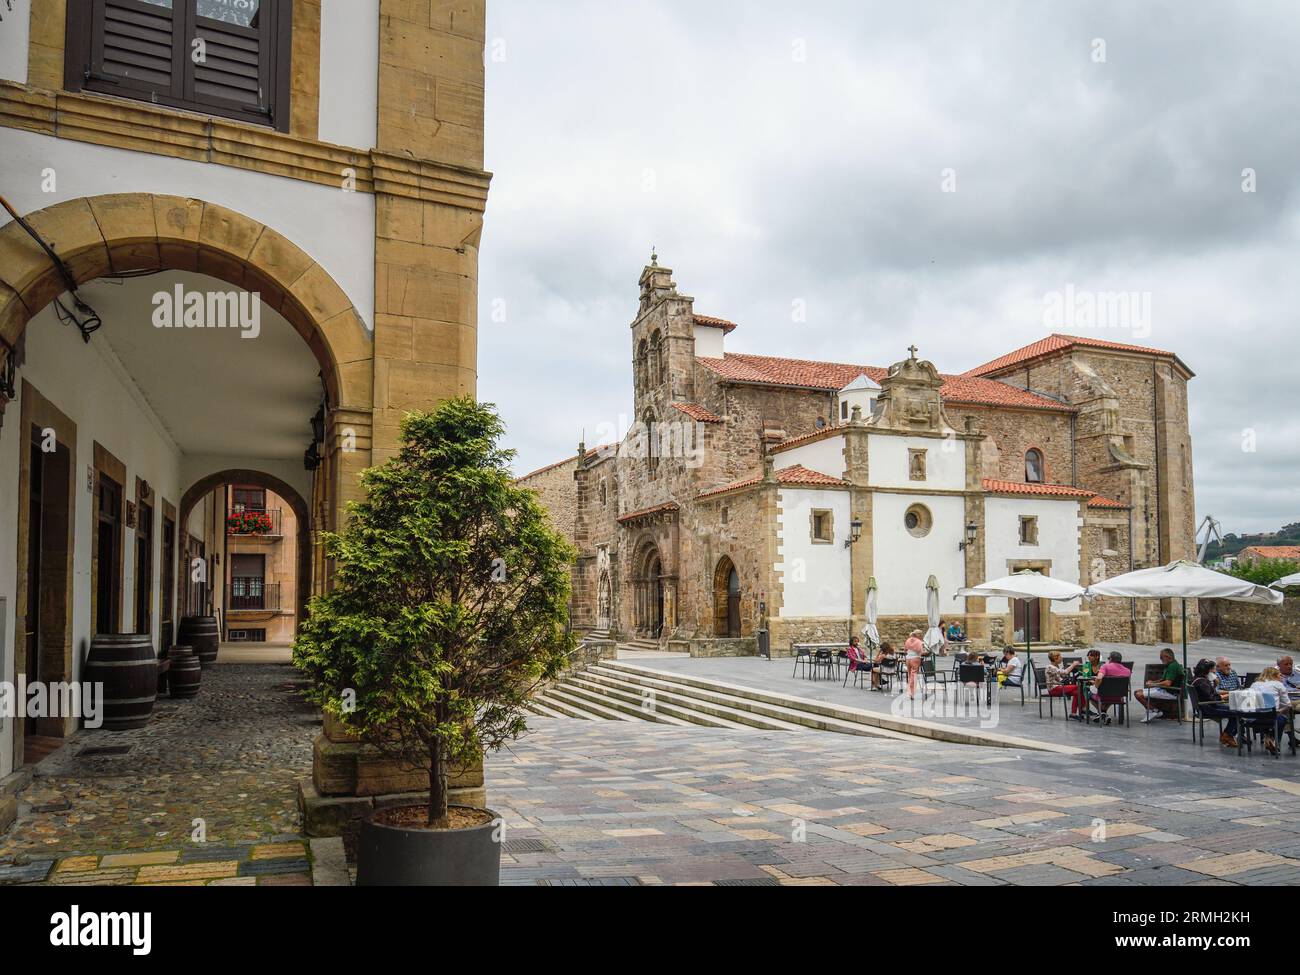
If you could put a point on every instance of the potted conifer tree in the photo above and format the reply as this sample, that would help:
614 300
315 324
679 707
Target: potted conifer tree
449 602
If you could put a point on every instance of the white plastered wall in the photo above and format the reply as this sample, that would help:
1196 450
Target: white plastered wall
815 576
1059 525
903 562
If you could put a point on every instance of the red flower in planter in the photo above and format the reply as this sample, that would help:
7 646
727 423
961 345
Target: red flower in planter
249 523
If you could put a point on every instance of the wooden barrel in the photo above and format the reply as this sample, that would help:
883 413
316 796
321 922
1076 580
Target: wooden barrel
186 672
200 632
125 665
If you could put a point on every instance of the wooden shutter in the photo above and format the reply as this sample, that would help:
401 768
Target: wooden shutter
236 68
134 46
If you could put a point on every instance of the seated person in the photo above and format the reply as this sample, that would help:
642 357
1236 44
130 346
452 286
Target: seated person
1209 701
857 656
1086 674
1224 677
1270 681
1012 668
1290 677
885 663
1061 679
1167 688
1113 667
955 633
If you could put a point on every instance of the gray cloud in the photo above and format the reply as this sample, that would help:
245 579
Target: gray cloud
763 178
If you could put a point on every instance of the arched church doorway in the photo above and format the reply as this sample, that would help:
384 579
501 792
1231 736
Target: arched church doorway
726 599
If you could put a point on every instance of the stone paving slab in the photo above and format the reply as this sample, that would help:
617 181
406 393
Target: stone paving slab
788 810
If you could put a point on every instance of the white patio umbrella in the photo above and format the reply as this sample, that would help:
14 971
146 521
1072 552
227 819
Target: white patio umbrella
1292 580
1025 585
933 638
870 631
1183 580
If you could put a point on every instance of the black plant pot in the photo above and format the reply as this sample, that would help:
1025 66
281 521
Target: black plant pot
394 856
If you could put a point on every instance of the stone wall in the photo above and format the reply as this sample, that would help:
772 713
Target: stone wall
724 647
1275 626
554 487
1009 434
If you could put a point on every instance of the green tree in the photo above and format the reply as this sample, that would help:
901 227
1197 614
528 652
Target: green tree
449 600
1263 571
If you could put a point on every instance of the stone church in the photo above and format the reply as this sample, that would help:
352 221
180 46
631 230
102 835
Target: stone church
766 492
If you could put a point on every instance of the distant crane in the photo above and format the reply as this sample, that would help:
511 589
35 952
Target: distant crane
1211 529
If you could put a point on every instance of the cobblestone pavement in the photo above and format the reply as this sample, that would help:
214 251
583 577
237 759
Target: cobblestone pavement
611 802
229 757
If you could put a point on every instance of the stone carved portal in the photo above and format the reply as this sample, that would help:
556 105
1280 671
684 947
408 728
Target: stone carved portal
649 593
726 599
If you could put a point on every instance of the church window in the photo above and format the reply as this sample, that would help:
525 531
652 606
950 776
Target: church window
918 521
822 525
1028 530
1110 539
1034 465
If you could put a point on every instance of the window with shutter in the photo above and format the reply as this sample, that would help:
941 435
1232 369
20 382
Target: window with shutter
220 57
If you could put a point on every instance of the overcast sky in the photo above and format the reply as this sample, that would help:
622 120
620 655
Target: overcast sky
777 155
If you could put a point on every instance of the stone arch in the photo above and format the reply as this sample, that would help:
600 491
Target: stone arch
656 359
120 232
726 599
301 511
648 589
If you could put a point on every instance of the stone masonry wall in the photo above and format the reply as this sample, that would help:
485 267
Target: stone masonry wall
1275 626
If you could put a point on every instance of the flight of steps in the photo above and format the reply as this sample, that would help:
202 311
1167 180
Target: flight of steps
640 644
615 690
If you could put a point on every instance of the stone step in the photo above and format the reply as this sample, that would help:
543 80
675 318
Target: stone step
786 717
537 707
694 708
681 712
564 709
561 694
591 691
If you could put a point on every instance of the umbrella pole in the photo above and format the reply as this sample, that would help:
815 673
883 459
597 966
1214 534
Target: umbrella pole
1184 641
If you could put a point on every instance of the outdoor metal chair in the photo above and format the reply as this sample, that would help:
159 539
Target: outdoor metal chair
823 660
1197 717
1113 692
858 672
1257 725
1044 693
968 674
1249 679
802 658
931 674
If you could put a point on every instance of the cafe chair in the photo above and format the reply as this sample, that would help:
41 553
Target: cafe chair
802 658
1113 692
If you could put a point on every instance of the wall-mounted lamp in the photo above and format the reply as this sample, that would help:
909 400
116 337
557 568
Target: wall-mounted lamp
318 426
855 532
310 457
972 533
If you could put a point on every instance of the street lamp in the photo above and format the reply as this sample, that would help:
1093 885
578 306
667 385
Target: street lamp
972 533
855 532
318 426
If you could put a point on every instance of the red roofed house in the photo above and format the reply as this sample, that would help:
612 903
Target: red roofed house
766 492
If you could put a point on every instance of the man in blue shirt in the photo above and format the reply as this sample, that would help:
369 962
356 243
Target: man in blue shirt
1289 676
1225 678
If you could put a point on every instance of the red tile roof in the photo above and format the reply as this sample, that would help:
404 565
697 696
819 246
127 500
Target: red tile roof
697 412
826 431
1274 551
654 510
779 371
797 475
995 486
726 326
1097 501
1055 343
